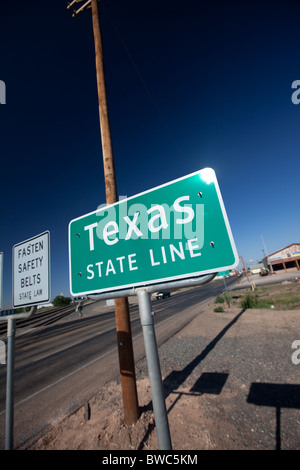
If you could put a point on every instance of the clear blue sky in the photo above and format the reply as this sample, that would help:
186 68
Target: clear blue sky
190 85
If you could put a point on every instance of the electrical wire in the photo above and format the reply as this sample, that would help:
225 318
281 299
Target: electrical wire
135 67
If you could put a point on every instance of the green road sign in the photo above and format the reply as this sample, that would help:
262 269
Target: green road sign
176 231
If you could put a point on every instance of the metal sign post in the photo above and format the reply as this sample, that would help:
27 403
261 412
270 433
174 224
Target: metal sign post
11 331
158 400
151 349
31 287
9 427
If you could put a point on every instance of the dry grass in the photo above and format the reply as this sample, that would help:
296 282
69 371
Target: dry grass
285 296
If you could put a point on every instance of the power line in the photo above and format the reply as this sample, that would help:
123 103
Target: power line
134 65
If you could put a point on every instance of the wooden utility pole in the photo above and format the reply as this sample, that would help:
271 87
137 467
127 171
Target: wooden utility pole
245 268
123 327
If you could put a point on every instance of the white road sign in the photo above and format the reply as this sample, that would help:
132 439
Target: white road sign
31 271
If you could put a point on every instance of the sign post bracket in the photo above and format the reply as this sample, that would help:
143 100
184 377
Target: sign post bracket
178 284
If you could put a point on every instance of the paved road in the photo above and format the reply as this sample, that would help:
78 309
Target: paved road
270 279
61 367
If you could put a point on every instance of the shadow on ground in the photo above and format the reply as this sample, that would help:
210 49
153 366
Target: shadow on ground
207 382
275 395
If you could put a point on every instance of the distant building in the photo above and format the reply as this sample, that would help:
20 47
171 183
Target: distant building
256 268
285 260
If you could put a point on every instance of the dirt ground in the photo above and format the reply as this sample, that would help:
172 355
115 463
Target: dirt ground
229 380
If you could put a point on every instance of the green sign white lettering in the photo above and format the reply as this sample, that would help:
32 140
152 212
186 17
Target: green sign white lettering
176 231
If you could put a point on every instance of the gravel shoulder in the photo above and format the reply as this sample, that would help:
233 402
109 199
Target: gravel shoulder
229 381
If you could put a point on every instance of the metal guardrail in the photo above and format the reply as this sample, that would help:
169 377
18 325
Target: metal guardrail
40 319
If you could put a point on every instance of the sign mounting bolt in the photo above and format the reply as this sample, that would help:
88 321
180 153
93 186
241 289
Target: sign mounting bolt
212 244
200 194
79 274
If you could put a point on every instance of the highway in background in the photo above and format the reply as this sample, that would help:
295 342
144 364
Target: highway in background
62 366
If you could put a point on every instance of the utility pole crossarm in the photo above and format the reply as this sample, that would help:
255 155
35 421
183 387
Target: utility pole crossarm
81 9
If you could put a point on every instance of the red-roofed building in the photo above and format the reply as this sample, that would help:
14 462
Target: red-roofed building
285 260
